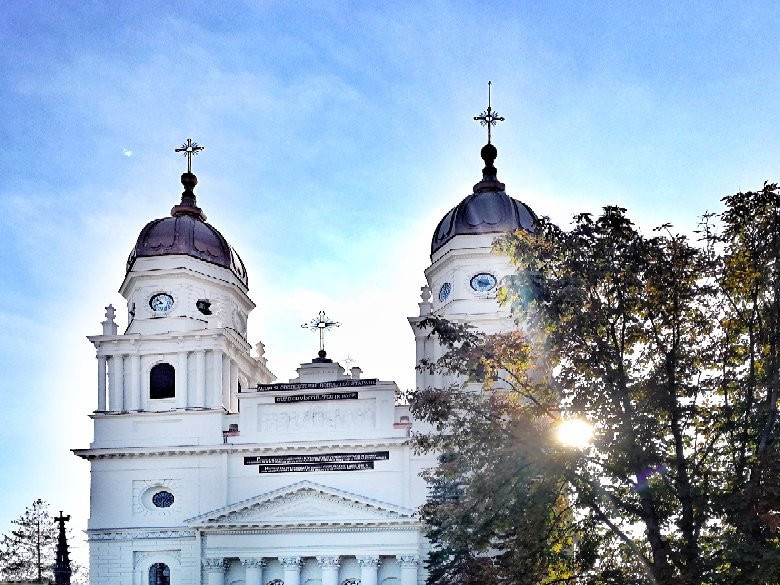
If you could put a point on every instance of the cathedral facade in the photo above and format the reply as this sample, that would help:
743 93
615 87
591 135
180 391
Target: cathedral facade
206 470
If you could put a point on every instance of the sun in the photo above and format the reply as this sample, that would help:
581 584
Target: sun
575 432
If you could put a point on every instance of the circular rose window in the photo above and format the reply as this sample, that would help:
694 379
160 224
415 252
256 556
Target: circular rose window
162 499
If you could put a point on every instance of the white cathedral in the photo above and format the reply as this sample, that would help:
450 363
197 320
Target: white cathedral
206 471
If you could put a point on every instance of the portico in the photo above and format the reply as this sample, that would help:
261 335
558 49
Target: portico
328 570
309 531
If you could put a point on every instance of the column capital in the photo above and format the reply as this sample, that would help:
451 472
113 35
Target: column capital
214 565
253 563
368 561
408 560
333 562
291 562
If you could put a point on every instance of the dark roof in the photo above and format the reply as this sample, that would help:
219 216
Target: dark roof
488 210
186 232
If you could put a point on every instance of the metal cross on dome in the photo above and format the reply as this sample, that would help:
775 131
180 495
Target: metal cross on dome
321 323
489 118
190 149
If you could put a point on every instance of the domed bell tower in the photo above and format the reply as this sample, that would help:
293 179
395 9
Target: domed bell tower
185 347
465 274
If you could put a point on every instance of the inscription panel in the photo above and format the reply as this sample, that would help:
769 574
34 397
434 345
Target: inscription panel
316 458
307 417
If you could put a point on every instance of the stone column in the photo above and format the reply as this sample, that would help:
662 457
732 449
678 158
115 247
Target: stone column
215 398
292 570
215 571
182 400
135 382
116 389
233 382
101 405
254 571
226 381
409 565
329 567
200 378
368 570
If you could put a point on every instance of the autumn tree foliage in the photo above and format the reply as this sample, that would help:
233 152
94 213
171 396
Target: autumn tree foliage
670 347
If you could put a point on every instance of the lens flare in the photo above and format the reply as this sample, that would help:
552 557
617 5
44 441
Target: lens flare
575 432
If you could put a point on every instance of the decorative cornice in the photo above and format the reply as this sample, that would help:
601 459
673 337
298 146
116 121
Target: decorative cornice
222 516
216 449
135 534
333 528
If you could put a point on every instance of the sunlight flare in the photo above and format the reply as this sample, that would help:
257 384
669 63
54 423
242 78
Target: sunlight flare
575 432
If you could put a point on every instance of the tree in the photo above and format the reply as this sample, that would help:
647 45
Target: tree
27 553
672 350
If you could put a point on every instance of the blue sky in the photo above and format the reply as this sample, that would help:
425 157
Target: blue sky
337 134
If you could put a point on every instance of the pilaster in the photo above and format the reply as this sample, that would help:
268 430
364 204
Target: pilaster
254 570
101 397
329 567
409 567
215 396
135 402
292 570
182 391
116 388
369 566
215 571
200 378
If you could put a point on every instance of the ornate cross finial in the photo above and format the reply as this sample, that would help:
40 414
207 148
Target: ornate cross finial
489 118
189 149
61 518
321 323
62 570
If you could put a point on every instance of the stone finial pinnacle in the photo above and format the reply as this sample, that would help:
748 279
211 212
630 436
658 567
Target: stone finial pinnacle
109 325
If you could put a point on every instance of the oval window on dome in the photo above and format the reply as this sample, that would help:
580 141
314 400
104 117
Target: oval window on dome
483 282
444 292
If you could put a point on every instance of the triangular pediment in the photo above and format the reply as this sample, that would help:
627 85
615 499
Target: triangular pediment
306 504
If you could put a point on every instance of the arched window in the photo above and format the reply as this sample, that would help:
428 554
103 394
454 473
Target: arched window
159 574
162 382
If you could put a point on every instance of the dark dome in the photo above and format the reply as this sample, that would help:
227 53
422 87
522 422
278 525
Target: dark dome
483 213
488 210
186 232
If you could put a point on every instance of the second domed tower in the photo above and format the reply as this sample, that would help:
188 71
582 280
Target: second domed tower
465 274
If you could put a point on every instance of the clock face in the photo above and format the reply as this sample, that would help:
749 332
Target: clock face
444 292
161 303
483 282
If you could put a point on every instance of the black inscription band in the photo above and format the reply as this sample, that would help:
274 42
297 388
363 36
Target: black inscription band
317 458
304 467
317 385
315 397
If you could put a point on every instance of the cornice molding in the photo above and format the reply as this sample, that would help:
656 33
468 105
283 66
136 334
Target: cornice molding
230 448
139 533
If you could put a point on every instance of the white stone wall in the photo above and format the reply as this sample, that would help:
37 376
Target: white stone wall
229 524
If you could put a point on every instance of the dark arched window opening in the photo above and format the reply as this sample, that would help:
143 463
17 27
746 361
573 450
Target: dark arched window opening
159 574
162 381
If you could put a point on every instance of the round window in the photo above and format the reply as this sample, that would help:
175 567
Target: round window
444 292
162 499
